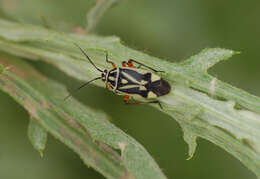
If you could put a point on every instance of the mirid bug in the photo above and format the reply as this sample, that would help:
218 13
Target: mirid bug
130 81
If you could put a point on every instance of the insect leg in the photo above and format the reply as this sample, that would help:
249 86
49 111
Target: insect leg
149 102
130 64
141 64
108 61
124 63
126 98
108 86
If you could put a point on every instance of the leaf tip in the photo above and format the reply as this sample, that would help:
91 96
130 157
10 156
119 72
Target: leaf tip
237 52
192 143
41 153
207 58
191 139
37 135
189 157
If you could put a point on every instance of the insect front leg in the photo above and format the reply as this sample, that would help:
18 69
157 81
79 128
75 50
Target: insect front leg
108 61
130 62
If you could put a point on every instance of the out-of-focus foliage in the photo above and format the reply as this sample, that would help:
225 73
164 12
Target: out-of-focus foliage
173 30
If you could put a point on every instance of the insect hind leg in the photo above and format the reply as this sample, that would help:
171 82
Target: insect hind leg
130 61
138 102
129 64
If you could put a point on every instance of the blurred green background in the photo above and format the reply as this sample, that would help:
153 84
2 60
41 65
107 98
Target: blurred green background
169 29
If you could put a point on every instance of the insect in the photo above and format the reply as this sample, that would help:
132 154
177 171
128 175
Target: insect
130 81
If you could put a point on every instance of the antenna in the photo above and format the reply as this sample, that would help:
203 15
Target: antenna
88 57
85 84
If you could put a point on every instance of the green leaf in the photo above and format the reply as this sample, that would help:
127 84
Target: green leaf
194 74
237 130
37 135
85 130
206 59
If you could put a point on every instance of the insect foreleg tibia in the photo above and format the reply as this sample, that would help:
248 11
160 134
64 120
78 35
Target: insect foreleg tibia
108 61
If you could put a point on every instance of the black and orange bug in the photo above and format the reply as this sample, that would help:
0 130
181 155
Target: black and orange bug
130 81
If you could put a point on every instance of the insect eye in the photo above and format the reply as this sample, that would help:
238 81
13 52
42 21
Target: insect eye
103 75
